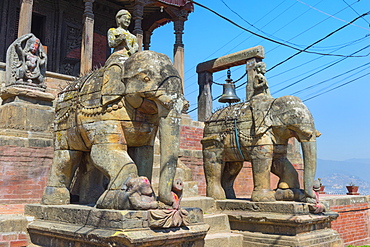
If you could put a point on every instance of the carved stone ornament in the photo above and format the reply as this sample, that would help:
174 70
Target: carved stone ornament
26 63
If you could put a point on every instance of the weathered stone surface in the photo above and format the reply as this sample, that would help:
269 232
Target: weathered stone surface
61 235
113 115
258 131
217 222
230 60
205 203
26 63
276 207
320 238
77 225
13 223
279 223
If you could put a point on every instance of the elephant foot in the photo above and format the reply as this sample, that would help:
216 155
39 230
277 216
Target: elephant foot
216 192
310 200
113 199
263 196
289 195
55 196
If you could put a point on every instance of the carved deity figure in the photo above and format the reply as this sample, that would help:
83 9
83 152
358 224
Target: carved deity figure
26 62
260 85
120 39
125 45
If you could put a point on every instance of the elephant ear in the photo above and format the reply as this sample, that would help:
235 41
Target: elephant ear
260 113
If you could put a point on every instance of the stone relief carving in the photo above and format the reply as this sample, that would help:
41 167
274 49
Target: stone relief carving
26 62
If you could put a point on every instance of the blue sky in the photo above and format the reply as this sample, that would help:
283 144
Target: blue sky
341 115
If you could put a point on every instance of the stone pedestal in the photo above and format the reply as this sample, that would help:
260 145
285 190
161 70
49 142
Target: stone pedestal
26 111
77 225
280 223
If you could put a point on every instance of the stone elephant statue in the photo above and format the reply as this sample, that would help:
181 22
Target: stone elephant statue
109 119
258 131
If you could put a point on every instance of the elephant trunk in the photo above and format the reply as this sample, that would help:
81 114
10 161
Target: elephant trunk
309 159
169 136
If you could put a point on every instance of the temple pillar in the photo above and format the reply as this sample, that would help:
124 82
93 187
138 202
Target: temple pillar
25 17
147 38
178 57
137 16
87 38
205 80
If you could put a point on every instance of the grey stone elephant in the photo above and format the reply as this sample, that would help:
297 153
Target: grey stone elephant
258 131
108 120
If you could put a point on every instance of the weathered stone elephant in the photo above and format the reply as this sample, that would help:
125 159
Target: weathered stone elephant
109 118
258 131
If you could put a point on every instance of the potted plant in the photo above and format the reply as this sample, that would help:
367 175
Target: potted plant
322 187
352 189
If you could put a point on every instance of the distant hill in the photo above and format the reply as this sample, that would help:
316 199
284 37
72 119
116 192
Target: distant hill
335 175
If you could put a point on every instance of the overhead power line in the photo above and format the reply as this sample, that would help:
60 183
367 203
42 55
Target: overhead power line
332 15
269 39
332 78
332 89
316 42
338 61
355 11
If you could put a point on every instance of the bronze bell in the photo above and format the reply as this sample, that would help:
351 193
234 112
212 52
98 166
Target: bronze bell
229 94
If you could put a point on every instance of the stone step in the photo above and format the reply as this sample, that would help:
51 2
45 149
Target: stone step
218 223
207 204
224 239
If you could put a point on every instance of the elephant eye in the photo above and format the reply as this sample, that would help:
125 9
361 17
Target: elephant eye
146 79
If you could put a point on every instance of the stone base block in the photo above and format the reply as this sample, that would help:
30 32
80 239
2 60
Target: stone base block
224 239
207 204
324 238
77 225
280 223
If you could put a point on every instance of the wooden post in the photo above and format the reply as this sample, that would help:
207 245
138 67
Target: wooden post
205 80
205 70
178 53
147 38
25 17
87 38
138 17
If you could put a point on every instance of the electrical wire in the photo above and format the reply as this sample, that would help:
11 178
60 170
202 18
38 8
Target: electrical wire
347 77
332 89
332 78
332 16
269 39
309 27
355 11
338 61
316 42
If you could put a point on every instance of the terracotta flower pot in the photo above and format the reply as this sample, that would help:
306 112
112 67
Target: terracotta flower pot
321 191
352 190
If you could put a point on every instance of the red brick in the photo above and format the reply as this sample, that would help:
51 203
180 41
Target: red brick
9 237
18 243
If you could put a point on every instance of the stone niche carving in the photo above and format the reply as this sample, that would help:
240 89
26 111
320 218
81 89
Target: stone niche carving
26 63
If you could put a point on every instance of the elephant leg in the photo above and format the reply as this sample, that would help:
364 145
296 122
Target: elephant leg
213 168
114 161
143 158
261 157
230 172
282 168
91 182
62 170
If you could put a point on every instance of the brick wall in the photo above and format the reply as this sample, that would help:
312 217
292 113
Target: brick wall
23 173
14 239
353 223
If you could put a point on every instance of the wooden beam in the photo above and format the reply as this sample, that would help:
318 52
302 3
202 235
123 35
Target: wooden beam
231 60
